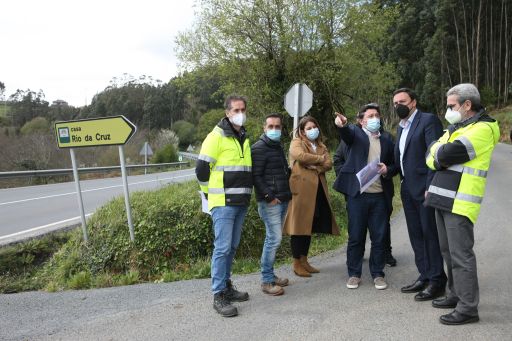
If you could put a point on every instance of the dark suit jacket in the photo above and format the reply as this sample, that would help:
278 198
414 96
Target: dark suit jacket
357 146
425 129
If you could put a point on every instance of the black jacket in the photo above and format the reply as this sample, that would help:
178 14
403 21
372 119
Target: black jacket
356 157
270 170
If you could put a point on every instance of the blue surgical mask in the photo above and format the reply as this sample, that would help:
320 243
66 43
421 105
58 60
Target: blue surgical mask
373 124
312 134
273 134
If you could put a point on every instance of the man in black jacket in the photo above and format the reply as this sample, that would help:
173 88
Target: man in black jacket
270 176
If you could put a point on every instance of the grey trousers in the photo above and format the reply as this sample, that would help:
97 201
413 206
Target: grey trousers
456 241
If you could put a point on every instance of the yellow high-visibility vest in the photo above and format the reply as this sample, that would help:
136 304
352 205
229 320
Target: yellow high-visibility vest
460 188
230 181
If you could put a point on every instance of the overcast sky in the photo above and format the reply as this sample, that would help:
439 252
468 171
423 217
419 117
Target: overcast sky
71 49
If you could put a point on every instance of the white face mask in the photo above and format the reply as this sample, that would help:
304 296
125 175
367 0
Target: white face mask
238 119
453 116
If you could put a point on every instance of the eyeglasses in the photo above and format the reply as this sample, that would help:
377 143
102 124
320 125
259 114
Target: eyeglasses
238 111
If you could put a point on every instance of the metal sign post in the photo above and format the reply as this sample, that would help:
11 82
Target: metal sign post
126 193
103 131
79 193
146 151
298 100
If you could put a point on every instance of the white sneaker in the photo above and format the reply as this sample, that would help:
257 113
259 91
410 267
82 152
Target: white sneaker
380 283
353 282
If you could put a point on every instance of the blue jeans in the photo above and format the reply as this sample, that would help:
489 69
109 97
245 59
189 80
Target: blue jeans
273 218
366 210
227 227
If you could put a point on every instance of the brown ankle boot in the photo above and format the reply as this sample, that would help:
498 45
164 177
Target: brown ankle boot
307 266
298 269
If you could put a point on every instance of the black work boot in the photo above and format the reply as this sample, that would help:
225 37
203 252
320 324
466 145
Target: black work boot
234 295
223 306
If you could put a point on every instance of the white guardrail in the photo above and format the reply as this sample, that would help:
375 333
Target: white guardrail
69 171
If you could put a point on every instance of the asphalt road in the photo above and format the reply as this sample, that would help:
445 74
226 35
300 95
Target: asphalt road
318 308
28 211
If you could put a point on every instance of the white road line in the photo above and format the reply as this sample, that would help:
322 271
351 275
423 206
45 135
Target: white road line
94 189
44 226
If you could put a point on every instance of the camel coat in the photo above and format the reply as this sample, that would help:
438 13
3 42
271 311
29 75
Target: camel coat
304 186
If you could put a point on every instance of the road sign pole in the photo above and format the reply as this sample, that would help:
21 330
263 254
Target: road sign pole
126 193
145 157
79 193
296 114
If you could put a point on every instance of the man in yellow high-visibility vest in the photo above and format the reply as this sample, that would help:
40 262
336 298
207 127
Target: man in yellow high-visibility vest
224 172
461 159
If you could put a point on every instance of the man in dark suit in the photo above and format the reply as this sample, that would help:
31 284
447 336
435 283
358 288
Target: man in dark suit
368 210
416 131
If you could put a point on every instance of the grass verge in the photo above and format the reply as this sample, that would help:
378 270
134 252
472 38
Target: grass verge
174 241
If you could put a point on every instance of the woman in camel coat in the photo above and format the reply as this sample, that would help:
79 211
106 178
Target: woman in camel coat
309 210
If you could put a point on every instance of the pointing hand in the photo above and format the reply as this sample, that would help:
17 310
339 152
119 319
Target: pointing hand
340 120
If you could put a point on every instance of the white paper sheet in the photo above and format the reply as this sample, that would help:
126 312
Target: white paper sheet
204 203
368 175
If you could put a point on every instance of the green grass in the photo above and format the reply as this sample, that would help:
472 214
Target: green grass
174 241
20 263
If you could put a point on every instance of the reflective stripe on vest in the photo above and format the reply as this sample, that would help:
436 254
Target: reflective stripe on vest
206 158
234 168
468 170
455 195
470 149
229 190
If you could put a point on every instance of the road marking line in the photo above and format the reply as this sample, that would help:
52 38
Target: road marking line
92 190
42 227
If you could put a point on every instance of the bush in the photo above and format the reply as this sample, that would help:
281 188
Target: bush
186 132
173 241
166 154
19 263
38 125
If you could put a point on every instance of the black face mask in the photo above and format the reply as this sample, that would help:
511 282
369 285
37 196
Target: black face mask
402 111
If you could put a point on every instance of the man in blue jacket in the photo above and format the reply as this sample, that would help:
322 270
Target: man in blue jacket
369 209
270 176
416 131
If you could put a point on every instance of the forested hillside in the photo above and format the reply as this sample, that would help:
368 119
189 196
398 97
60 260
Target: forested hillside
348 52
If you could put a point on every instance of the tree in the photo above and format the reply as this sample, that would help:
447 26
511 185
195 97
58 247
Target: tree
185 131
453 41
167 154
36 126
25 105
264 46
207 122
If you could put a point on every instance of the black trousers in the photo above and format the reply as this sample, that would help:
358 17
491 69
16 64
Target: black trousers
300 245
421 225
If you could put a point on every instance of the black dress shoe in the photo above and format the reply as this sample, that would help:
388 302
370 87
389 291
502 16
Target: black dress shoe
456 318
429 293
445 302
414 287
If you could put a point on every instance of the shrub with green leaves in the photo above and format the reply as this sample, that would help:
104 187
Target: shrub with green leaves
173 241
167 154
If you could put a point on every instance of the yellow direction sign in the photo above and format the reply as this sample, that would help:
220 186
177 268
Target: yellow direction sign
103 131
